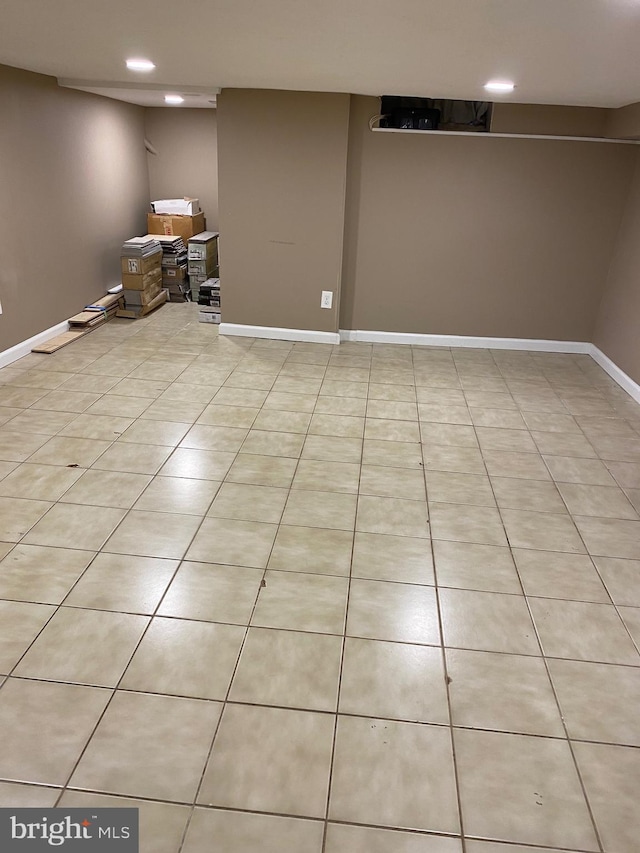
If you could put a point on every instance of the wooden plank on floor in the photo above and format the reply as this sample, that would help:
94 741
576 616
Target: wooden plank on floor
86 319
54 344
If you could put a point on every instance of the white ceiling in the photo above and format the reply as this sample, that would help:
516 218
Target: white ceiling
557 51
150 96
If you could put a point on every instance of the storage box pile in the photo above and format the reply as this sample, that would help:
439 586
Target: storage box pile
174 267
209 301
202 259
176 217
141 259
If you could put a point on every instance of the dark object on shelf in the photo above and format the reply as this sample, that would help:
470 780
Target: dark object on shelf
434 114
408 113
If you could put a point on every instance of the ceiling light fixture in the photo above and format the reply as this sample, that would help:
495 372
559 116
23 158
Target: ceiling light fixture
140 65
173 99
499 86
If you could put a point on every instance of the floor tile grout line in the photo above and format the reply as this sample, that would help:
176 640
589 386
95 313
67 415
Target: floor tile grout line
299 458
190 424
636 644
323 712
302 571
132 655
113 691
57 607
505 654
263 584
342 652
447 680
555 693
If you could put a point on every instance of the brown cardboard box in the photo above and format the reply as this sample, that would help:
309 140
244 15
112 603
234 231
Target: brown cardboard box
139 266
175 294
135 311
182 226
141 282
135 298
174 273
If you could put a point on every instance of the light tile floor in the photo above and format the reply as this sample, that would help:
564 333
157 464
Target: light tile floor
295 598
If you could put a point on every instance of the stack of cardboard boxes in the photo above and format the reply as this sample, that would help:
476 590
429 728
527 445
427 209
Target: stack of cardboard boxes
176 217
177 260
202 259
209 301
141 277
174 267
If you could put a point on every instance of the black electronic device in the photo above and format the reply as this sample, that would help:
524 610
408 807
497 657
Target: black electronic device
408 114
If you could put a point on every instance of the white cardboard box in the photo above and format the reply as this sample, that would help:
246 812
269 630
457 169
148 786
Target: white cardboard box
209 317
177 206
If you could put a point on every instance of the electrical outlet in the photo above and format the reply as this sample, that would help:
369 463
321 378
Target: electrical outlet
326 300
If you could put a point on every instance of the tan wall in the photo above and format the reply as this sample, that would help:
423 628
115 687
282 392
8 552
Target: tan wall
618 328
624 123
74 187
548 119
478 236
282 167
187 160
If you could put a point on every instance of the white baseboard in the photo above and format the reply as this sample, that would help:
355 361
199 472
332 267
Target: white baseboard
632 388
407 338
624 381
12 354
307 335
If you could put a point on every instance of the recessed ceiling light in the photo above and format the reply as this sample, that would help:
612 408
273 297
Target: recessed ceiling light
499 86
140 65
173 99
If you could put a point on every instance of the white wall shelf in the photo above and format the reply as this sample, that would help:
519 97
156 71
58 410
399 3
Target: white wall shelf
489 135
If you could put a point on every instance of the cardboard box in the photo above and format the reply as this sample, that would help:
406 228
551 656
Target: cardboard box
175 273
133 313
203 245
142 282
205 268
178 294
209 293
176 206
209 317
197 280
136 298
176 297
180 226
175 260
139 266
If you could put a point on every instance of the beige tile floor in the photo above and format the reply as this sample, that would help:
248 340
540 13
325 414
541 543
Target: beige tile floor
295 598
